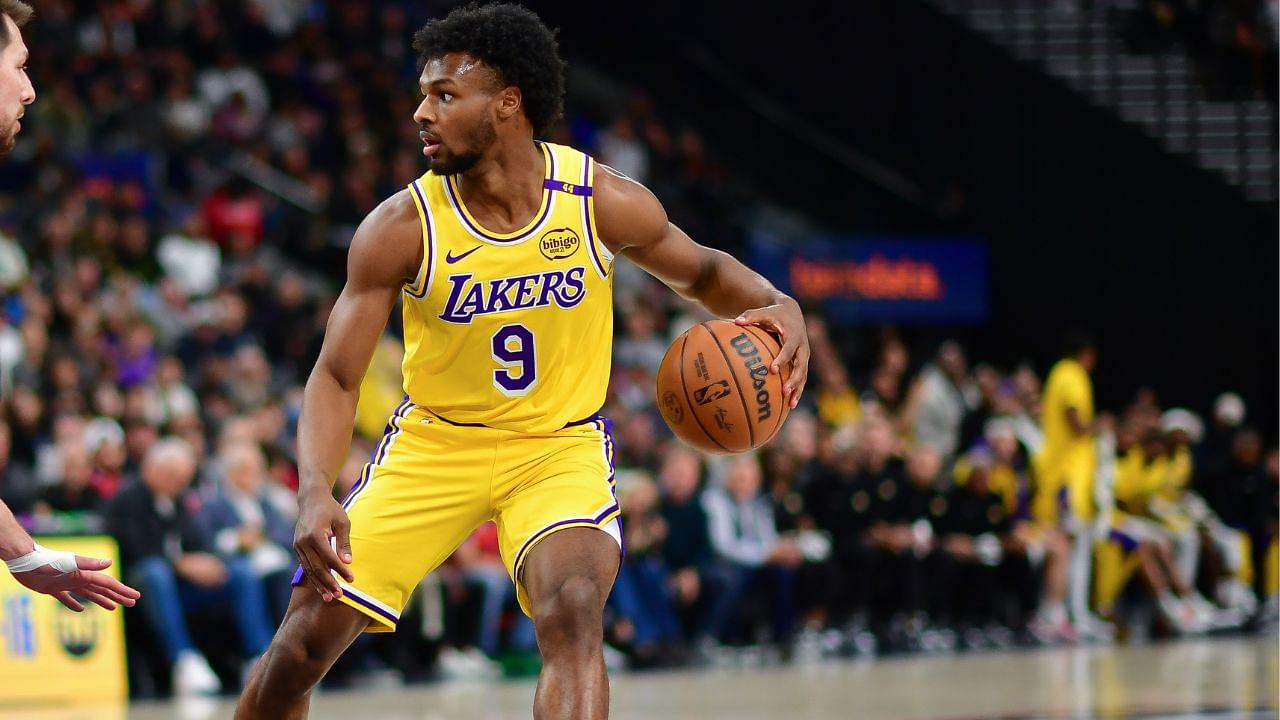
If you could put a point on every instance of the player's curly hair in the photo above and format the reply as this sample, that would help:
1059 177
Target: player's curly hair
514 43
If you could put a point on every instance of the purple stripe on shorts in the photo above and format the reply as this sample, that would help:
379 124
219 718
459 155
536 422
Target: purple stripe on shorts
569 521
378 452
365 603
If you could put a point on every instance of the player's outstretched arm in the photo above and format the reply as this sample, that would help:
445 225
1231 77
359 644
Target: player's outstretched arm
60 574
385 252
634 223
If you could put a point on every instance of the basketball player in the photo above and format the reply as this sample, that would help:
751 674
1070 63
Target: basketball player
502 256
61 574
1066 469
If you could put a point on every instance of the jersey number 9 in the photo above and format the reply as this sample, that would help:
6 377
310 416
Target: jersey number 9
513 350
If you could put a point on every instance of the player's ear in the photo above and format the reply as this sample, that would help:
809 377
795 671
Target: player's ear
509 102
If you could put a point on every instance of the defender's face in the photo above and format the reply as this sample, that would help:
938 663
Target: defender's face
16 91
456 113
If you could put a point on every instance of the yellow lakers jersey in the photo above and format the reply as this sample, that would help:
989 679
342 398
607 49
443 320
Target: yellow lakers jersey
511 330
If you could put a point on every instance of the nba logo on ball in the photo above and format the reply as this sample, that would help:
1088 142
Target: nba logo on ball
710 393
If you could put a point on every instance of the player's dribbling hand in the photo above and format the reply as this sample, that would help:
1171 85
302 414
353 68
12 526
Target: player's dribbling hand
323 543
785 320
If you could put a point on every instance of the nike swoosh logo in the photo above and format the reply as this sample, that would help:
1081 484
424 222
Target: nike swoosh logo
451 258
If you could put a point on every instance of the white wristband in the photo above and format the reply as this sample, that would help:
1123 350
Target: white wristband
61 561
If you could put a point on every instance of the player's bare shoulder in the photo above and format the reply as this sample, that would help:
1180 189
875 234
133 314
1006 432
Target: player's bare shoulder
387 246
627 213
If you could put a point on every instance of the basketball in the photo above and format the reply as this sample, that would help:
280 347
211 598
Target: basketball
716 391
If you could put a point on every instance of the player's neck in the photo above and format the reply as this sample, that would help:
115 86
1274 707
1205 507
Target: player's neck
506 185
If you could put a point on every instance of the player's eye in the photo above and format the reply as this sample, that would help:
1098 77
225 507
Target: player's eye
446 97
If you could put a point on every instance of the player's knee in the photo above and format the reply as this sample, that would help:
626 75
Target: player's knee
295 664
572 614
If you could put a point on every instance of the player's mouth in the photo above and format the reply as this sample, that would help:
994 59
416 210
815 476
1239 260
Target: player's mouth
430 143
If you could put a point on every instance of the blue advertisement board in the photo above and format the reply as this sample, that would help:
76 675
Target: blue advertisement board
881 278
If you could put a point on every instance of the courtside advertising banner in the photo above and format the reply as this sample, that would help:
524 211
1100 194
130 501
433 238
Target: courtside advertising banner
51 655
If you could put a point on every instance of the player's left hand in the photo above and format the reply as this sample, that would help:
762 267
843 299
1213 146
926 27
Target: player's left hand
785 321
66 576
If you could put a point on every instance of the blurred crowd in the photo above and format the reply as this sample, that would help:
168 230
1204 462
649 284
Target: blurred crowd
1232 43
175 220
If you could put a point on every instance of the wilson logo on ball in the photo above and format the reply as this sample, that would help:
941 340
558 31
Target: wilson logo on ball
672 405
710 393
759 373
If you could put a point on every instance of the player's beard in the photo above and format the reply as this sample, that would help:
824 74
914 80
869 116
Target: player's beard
480 139
8 138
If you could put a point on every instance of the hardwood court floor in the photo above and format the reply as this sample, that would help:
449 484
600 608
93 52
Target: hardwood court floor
1234 678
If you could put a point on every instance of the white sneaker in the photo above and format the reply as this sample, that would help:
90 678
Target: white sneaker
614 659
481 664
1233 593
1206 612
1094 629
1180 613
193 676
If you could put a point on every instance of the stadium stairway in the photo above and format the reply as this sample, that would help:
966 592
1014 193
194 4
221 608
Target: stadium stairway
1236 141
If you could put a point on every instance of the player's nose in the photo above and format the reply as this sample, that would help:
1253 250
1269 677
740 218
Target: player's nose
423 114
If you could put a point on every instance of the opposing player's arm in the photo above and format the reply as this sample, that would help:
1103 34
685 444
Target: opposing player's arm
385 251
633 222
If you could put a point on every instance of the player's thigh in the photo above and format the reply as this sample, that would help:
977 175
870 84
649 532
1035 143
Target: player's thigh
420 496
554 485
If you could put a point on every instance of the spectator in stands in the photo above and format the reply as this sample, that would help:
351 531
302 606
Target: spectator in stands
904 512
647 618
252 518
73 491
1228 417
936 405
749 553
987 391
687 550
1240 493
836 400
18 489
1037 549
165 553
970 529
105 439
840 498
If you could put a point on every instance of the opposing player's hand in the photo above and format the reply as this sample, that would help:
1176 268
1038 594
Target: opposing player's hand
323 543
785 320
70 578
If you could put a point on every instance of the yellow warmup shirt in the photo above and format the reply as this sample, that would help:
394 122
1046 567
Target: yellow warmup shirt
1067 458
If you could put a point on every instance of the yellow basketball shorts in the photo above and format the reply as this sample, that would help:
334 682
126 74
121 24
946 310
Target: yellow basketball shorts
431 483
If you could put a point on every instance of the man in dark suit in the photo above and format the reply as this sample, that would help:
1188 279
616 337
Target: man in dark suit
165 552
